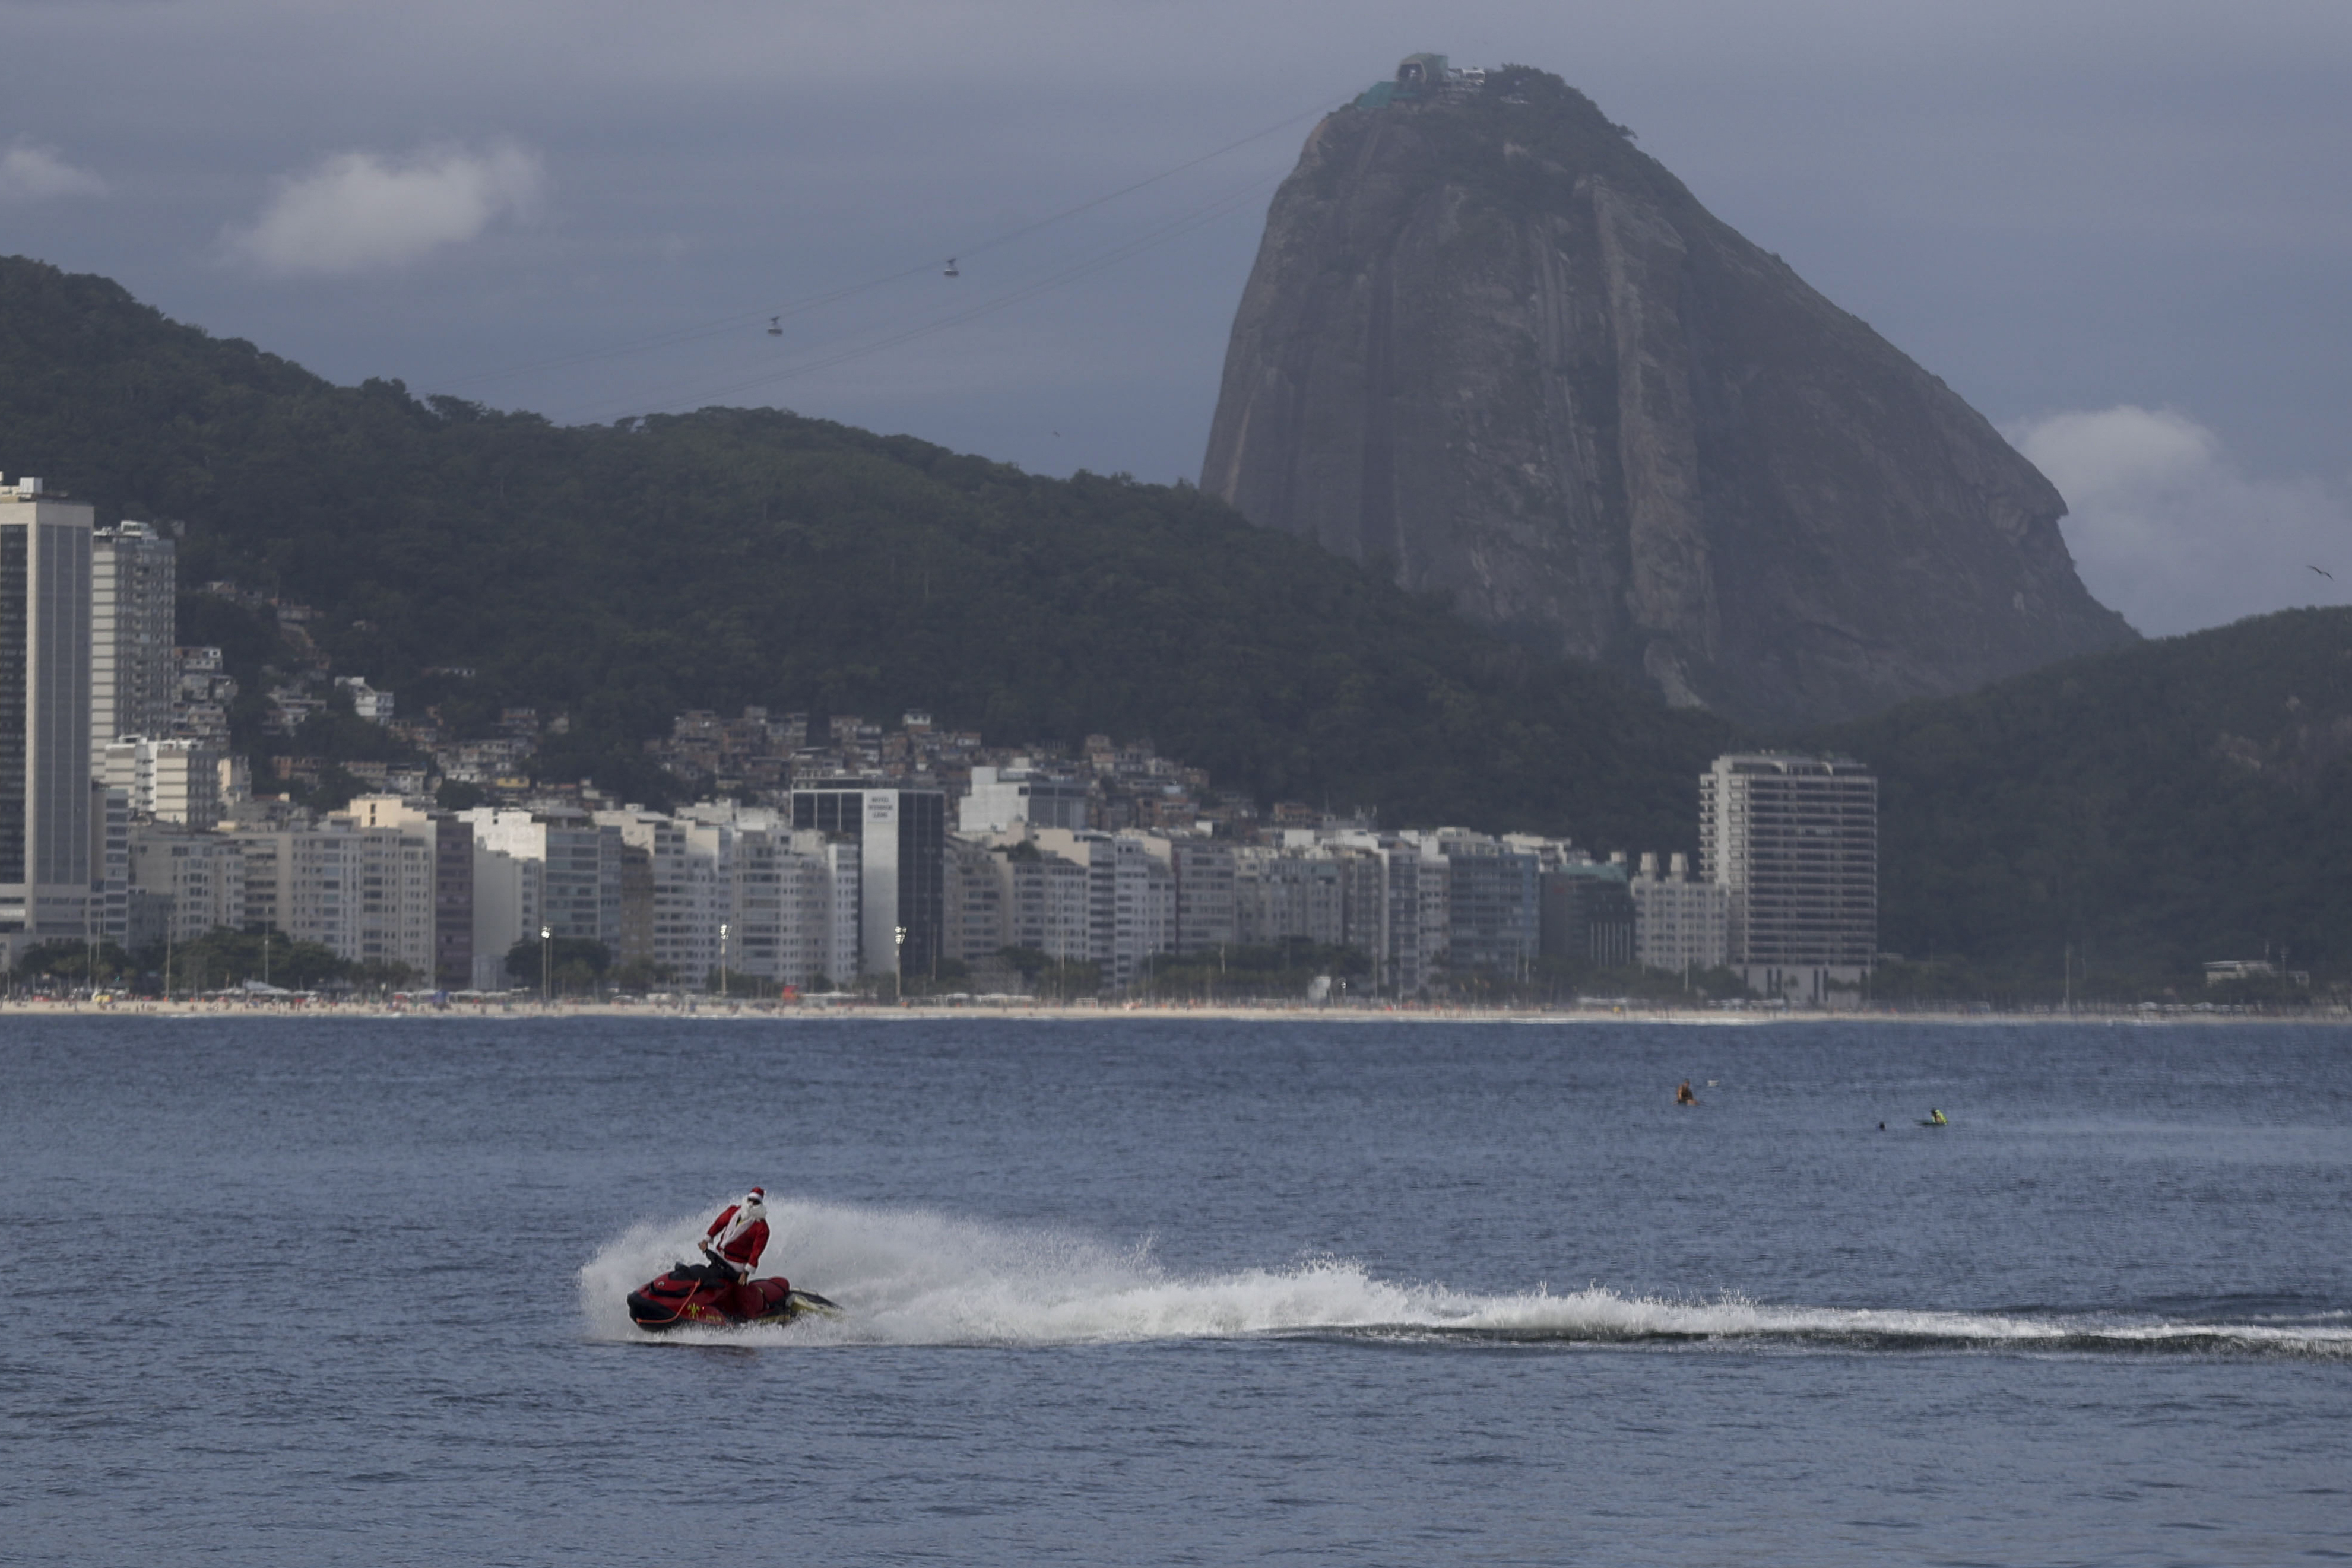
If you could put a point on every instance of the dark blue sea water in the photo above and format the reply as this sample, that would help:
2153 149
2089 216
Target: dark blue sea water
1148 1292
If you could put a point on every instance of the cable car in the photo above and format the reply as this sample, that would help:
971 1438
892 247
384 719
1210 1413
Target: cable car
951 271
775 326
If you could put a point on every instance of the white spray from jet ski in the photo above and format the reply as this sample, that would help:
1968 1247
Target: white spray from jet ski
912 1276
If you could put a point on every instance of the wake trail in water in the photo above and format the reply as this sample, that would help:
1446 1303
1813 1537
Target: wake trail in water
913 1277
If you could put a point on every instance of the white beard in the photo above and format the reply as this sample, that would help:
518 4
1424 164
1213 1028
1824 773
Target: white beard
746 1216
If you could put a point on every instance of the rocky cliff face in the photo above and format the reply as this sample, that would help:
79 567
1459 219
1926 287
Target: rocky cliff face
1491 343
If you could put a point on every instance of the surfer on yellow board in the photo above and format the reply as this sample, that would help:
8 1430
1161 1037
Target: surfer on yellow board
1935 1119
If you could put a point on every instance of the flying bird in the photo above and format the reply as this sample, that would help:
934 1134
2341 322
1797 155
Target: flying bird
2321 570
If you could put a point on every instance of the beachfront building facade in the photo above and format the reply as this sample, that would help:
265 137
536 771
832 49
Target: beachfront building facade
183 883
1680 923
46 866
134 580
1794 841
901 838
167 780
365 894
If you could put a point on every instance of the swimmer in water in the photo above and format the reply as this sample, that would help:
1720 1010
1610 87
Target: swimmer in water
1682 1096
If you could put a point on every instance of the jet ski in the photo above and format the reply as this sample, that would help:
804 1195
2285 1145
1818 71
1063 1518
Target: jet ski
685 1297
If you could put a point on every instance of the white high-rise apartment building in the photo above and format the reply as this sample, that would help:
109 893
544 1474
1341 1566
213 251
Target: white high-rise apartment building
170 780
754 916
1679 924
451 842
579 892
46 841
1794 841
134 576
1284 893
507 889
183 884
1207 916
1396 902
739 888
364 894
790 902
1049 902
1130 898
976 930
1000 798
684 859
830 899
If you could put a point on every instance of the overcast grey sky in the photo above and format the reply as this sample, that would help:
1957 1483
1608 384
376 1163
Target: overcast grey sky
2120 227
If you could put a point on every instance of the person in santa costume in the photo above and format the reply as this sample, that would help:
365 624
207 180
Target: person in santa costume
735 1238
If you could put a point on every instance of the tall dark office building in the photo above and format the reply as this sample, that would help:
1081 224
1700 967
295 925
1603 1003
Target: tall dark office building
45 788
902 837
453 902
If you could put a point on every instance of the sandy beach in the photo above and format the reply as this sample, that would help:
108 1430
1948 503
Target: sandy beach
1586 1012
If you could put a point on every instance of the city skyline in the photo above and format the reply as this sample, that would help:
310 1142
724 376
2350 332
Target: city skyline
838 862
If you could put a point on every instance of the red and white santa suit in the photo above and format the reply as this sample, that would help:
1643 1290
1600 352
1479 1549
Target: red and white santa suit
739 1234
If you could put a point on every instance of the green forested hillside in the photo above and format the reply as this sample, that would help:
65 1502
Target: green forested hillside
2150 809
623 573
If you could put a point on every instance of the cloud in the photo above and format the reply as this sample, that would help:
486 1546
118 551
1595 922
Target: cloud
33 173
2167 529
357 212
